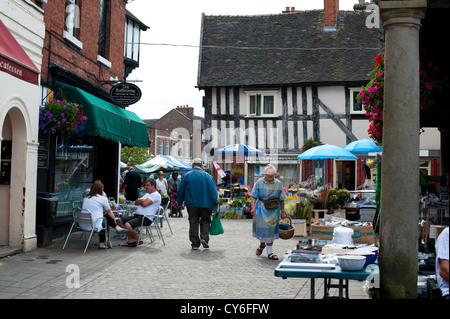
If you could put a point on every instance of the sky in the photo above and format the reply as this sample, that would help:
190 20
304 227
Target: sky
167 73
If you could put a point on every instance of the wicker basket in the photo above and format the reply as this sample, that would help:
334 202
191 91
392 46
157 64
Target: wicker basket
286 234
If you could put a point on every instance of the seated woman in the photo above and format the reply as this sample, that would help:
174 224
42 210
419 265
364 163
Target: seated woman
98 205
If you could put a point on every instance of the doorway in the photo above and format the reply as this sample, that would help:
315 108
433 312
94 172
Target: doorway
345 174
12 186
5 177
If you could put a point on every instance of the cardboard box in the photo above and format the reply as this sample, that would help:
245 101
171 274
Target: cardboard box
300 227
361 235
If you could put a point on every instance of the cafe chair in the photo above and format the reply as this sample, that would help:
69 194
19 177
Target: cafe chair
77 204
156 224
84 217
165 216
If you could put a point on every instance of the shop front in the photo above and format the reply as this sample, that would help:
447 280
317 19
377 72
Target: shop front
68 164
19 91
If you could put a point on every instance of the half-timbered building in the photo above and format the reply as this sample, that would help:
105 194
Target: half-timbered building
273 81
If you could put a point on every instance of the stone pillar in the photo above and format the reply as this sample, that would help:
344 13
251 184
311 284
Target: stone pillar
399 211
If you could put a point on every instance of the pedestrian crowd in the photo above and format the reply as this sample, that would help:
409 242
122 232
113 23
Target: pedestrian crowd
197 191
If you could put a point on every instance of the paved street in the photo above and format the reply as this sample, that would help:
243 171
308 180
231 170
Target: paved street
228 270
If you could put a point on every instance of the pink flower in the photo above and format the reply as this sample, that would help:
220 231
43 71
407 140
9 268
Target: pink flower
376 110
373 89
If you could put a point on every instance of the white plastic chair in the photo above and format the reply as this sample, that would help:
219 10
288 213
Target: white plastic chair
165 216
84 216
155 223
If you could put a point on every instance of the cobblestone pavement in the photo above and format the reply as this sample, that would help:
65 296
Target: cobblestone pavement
229 269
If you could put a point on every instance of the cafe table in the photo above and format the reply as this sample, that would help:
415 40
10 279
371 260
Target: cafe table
328 272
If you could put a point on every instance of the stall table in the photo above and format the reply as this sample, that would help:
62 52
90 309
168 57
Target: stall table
285 269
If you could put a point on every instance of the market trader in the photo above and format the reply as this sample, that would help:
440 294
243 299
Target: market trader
442 247
198 191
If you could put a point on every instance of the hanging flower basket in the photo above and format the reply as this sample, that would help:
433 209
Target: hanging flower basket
371 96
61 117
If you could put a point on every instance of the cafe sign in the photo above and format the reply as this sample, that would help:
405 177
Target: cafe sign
125 93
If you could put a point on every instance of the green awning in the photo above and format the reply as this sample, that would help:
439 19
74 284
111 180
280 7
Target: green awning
106 119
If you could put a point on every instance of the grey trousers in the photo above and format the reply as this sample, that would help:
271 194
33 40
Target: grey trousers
199 219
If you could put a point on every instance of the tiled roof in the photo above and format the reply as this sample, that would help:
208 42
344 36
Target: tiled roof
289 48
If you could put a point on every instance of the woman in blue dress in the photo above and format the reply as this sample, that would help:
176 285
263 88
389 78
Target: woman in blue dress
267 206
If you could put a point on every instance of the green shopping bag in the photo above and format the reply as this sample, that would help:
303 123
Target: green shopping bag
216 224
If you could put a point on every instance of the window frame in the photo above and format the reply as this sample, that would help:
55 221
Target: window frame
103 40
353 93
161 147
71 30
167 151
261 95
132 40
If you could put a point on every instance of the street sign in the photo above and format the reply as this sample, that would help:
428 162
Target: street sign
125 93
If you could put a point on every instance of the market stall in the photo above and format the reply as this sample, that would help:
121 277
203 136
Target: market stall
236 155
338 258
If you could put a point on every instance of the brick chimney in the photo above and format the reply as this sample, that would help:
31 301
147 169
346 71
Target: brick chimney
330 9
289 9
185 109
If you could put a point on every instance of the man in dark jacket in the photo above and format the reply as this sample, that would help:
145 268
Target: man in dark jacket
132 184
198 191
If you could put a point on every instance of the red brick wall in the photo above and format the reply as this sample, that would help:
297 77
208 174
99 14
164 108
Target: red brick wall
329 14
84 62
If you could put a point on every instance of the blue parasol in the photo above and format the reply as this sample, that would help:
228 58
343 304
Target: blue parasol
326 151
363 146
238 150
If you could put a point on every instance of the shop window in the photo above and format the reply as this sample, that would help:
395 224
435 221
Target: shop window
73 171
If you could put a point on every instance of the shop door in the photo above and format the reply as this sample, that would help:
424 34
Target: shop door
5 174
345 175
106 165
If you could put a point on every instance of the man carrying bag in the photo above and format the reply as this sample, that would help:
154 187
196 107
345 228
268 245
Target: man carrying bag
198 191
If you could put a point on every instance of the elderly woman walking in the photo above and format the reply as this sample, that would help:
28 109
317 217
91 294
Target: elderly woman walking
267 206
